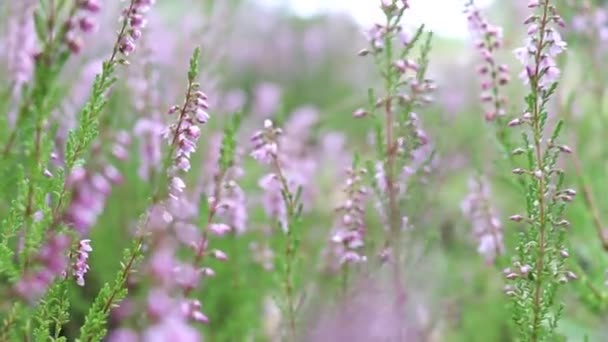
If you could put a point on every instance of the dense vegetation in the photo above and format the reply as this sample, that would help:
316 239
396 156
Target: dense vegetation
220 171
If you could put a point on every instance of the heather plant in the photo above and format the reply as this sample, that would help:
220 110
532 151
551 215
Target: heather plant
398 135
238 197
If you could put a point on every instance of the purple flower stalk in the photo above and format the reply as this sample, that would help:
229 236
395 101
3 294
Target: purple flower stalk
349 231
541 48
488 38
135 18
81 22
297 163
539 266
266 150
80 266
233 205
265 145
183 136
487 227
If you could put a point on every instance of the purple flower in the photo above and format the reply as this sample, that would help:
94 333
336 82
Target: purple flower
544 69
53 259
486 225
171 328
90 192
80 266
183 137
135 19
191 309
349 229
233 206
267 97
488 40
265 146
123 335
219 229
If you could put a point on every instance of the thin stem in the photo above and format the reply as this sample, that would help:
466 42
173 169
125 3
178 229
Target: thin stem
125 273
289 249
537 132
390 174
200 249
30 193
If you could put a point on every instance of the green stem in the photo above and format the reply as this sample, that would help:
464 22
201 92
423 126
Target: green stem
290 250
538 137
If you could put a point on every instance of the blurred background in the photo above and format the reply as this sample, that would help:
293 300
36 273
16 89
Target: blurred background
296 61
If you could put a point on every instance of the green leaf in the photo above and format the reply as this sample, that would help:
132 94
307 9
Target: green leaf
193 72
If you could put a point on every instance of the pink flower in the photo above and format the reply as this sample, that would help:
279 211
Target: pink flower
219 229
171 329
80 266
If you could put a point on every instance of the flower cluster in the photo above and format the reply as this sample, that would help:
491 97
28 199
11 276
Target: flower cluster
53 263
81 21
543 44
485 222
265 143
80 266
90 188
169 225
233 205
488 39
183 136
349 231
378 33
288 211
398 136
266 151
297 162
135 19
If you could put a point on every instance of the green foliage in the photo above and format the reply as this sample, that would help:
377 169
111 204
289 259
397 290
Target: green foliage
460 298
88 126
194 60
52 313
228 145
110 295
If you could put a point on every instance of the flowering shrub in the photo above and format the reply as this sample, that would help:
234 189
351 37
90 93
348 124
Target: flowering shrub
300 179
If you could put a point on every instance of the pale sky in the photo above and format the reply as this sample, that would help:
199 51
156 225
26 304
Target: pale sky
444 17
